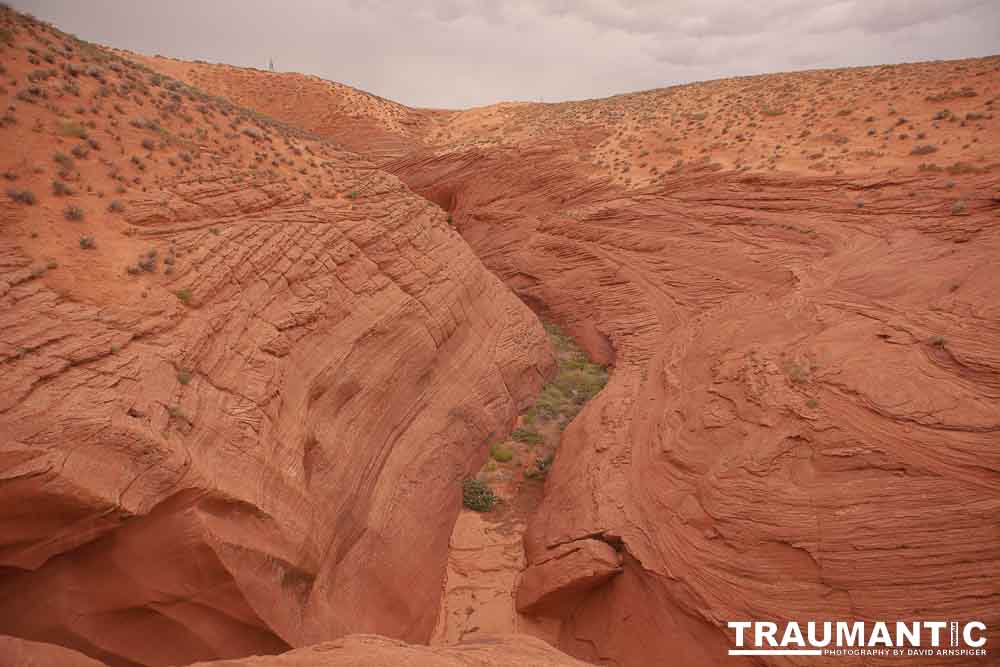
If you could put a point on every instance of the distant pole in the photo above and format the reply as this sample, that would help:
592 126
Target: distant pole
270 64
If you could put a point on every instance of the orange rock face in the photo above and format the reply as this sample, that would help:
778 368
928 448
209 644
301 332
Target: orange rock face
792 277
369 650
236 419
499 651
803 412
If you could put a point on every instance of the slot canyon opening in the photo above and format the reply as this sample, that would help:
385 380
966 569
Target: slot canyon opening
486 554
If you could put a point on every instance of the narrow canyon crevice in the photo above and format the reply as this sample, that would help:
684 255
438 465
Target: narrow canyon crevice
748 318
485 582
250 363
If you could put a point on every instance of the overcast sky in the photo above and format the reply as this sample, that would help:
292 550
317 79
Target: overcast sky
460 53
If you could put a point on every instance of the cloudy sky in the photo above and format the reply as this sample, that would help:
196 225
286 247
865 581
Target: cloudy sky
460 53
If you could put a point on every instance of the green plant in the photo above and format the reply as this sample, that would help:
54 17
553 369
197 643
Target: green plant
184 294
68 128
541 469
937 341
183 376
63 160
477 496
501 453
176 412
799 373
88 242
22 196
60 189
528 436
924 149
73 212
116 207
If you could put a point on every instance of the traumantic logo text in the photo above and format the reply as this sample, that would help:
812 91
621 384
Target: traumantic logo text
860 638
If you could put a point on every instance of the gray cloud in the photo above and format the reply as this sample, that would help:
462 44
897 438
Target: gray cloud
457 53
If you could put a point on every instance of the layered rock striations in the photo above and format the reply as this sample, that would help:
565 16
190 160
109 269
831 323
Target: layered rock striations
238 403
792 278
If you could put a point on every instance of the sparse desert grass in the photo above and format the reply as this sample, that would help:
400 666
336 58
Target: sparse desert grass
528 436
799 372
63 160
501 453
73 212
22 196
68 128
477 496
924 149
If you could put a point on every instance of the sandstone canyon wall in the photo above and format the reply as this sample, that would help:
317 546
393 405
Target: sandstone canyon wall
802 422
237 406
793 279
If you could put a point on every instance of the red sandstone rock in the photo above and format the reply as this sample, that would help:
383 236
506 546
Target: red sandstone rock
374 651
264 447
22 653
802 415
801 420
565 575
368 650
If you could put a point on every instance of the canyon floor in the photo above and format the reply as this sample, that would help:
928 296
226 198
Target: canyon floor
726 350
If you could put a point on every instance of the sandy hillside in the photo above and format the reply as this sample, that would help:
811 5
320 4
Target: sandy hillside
767 385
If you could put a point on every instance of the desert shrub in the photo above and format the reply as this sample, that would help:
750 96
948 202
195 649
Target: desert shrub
88 242
924 149
116 206
541 469
61 189
73 212
528 436
477 496
22 196
959 207
80 151
63 160
184 294
798 372
148 144
68 128
176 412
501 453
183 376
946 95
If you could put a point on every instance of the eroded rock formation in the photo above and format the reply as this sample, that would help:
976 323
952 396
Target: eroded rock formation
803 412
798 305
253 436
368 650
